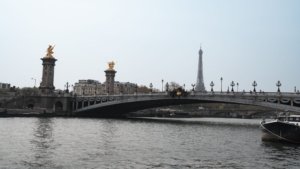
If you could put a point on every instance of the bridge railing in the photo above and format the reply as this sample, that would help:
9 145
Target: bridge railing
267 94
217 93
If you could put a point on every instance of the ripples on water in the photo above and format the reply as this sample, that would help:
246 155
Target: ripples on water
107 143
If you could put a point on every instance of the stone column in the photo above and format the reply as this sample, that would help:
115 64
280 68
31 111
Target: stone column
47 84
110 81
110 78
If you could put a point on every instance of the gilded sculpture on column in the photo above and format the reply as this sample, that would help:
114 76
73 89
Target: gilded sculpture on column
50 51
111 65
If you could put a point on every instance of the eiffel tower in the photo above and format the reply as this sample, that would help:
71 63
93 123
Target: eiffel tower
200 84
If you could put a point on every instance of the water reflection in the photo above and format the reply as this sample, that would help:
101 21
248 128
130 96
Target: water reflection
281 154
106 147
42 144
110 143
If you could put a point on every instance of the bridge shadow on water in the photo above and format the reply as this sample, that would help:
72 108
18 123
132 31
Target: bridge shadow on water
121 110
215 122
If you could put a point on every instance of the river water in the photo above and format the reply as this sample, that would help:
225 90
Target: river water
69 143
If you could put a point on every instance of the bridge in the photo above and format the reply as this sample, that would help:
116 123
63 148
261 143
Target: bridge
120 105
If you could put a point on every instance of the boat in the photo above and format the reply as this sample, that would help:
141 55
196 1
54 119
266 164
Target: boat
285 128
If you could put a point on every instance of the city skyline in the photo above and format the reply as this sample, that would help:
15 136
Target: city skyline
153 40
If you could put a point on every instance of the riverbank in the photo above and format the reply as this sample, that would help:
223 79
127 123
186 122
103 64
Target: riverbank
220 110
28 113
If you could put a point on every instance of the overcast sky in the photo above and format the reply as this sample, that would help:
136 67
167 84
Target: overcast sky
151 40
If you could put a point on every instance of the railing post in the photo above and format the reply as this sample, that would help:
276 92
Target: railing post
77 104
73 105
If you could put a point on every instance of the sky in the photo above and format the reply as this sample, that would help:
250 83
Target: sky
151 40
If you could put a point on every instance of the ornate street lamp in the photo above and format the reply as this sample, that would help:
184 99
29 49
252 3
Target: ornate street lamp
237 87
151 86
95 89
73 91
212 86
167 87
221 83
278 84
193 85
136 88
232 85
254 84
162 85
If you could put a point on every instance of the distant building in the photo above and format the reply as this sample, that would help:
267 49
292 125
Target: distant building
4 86
125 87
91 87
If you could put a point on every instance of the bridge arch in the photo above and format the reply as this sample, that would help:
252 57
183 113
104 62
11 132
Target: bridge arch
120 105
58 106
30 104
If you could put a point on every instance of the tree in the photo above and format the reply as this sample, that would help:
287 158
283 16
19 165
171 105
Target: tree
143 89
173 86
178 92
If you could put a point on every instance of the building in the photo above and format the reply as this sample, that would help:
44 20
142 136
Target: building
92 87
4 86
89 87
125 88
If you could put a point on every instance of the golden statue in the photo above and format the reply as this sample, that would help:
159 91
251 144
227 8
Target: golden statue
111 65
50 51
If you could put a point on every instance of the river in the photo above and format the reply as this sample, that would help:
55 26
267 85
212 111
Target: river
67 143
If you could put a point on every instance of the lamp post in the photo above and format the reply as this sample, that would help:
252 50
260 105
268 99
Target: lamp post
34 81
167 87
151 86
162 85
254 84
95 89
193 85
232 85
212 86
221 84
278 84
73 91
67 87
237 87
136 88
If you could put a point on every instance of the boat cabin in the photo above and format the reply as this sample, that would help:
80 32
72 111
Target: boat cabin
291 118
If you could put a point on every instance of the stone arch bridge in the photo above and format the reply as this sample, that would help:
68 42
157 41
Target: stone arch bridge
120 105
